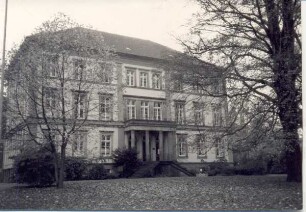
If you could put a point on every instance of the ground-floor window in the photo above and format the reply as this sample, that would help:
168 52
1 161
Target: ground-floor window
182 145
106 141
220 148
79 143
201 145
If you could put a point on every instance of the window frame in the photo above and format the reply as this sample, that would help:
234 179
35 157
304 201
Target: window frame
78 108
180 119
78 142
131 78
217 115
103 115
182 145
110 142
143 79
199 108
50 95
156 81
131 109
106 72
79 69
220 148
145 110
156 109
201 143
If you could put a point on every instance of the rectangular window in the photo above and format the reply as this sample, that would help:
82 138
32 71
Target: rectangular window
217 115
180 112
156 81
144 79
79 69
130 77
106 140
105 107
177 80
201 145
106 72
50 95
182 145
157 111
52 65
131 109
220 151
79 143
144 110
199 118
80 104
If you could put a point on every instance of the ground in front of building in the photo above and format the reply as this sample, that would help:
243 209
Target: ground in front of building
185 193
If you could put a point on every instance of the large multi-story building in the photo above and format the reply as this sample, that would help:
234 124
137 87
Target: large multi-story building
136 103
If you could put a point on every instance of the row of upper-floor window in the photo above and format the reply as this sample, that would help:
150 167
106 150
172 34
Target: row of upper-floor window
135 77
135 108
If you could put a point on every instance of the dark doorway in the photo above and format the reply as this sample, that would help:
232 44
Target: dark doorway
157 150
143 150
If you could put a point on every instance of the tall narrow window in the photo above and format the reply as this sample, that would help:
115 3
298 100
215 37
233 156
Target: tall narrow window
220 150
157 111
131 109
105 107
199 118
145 110
177 80
201 145
106 72
180 112
217 115
79 143
182 145
144 79
130 77
156 81
52 65
50 95
79 69
80 104
106 140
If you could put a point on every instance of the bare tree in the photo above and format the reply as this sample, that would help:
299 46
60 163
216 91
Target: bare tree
54 80
257 44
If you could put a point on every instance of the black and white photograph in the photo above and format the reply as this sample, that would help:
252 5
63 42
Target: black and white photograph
151 105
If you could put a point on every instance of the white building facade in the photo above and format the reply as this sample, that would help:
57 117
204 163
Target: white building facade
136 104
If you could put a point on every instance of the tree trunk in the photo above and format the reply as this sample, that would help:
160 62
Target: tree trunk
56 167
61 168
292 147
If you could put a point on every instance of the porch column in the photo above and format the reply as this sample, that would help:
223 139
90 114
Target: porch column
132 139
126 140
147 146
161 145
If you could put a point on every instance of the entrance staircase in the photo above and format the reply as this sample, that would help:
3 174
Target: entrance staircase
161 169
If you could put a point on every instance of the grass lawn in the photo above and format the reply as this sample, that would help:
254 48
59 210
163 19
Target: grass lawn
185 193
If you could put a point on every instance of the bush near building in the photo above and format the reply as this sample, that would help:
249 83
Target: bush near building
36 168
127 159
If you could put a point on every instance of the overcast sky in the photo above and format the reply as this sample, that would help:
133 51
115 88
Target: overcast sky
155 20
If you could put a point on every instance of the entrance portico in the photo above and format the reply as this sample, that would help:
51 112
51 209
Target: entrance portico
152 143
